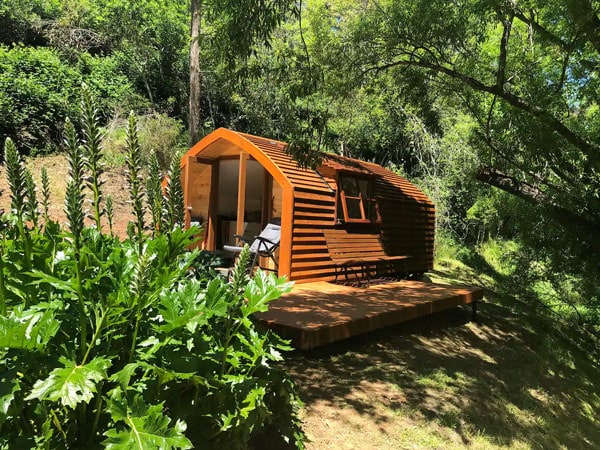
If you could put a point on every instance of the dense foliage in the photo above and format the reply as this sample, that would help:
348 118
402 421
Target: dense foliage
38 90
127 344
458 96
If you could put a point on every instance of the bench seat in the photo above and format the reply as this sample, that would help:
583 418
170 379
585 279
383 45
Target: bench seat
360 251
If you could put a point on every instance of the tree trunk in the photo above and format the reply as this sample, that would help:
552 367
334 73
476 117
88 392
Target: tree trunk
582 228
195 74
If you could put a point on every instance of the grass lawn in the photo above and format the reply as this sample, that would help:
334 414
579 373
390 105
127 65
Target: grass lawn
511 380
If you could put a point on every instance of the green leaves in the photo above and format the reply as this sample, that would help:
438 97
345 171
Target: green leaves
115 343
9 385
145 426
72 383
261 290
31 329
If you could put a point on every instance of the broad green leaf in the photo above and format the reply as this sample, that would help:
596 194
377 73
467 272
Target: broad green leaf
216 297
183 309
9 385
56 283
253 400
166 375
261 290
31 329
147 427
71 384
124 375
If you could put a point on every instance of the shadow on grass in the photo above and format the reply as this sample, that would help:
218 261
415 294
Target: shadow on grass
508 378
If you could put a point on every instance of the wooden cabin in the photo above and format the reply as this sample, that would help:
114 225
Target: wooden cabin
236 183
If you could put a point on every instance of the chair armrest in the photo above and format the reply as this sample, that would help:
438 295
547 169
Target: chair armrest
242 238
263 241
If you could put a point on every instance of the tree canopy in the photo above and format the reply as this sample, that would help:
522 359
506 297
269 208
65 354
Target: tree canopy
457 95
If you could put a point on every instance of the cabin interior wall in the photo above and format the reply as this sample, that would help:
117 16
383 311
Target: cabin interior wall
199 196
228 200
258 209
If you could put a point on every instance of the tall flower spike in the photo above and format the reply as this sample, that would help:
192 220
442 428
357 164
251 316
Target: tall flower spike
31 205
74 196
16 178
15 172
240 275
175 196
154 192
92 146
45 194
110 213
74 153
133 159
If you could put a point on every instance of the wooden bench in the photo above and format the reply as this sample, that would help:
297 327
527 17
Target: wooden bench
359 250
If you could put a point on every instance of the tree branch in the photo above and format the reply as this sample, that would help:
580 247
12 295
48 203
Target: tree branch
586 20
547 35
582 228
501 73
590 150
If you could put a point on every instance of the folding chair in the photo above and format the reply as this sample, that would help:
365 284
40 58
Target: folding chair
265 244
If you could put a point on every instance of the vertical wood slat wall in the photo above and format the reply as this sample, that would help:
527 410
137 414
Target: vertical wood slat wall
408 216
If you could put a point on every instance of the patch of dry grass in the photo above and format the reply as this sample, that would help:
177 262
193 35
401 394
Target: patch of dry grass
58 174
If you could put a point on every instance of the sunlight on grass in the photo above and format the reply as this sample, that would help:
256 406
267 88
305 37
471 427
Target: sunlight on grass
439 379
510 380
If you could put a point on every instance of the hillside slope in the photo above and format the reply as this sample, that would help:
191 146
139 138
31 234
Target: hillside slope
58 173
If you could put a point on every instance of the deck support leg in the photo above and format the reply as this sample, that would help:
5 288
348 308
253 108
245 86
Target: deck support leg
474 311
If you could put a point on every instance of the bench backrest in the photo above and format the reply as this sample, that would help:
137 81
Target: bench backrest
343 245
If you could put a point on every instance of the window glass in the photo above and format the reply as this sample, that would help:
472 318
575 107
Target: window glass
354 210
349 186
356 200
364 186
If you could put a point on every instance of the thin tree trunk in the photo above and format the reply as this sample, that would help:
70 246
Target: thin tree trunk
195 75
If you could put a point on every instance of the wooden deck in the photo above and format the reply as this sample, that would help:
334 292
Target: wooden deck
318 313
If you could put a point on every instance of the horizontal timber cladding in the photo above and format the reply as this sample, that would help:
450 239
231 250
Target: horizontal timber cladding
314 210
310 206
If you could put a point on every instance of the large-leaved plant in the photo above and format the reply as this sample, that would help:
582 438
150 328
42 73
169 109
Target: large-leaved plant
119 344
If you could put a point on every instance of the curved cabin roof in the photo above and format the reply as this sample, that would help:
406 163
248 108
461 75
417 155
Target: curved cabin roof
286 171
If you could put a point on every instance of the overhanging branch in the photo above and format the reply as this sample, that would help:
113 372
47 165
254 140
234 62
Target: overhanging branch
582 228
590 151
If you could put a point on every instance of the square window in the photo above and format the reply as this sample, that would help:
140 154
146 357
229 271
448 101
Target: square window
356 201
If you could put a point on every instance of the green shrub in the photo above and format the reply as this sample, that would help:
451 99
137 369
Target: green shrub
117 344
38 91
158 133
